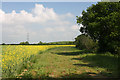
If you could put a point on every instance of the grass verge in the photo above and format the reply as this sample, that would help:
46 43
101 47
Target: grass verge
69 62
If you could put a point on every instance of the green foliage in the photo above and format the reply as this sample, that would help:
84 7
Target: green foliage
3 43
102 23
40 42
56 43
110 0
118 50
24 43
63 42
84 42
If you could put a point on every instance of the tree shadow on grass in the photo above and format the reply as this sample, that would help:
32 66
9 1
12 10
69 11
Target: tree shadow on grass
72 76
88 65
110 63
91 76
70 53
102 61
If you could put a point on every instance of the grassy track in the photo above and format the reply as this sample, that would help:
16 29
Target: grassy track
69 62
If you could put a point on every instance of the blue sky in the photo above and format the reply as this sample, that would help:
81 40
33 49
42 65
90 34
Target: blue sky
44 21
59 7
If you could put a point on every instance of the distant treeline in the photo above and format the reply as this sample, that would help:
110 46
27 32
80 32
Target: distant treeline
44 43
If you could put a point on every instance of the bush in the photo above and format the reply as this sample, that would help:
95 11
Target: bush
40 42
85 42
24 43
3 43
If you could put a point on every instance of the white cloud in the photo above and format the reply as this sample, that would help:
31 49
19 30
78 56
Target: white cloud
2 13
43 13
81 15
48 29
41 23
75 27
69 15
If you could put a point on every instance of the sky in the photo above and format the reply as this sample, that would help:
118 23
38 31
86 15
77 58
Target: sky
44 21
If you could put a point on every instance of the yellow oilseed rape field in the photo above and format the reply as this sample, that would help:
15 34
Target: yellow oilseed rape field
15 56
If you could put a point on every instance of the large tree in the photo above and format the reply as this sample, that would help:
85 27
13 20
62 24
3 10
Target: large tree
102 23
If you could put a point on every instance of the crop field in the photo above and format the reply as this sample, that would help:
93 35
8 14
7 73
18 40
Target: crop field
56 61
14 57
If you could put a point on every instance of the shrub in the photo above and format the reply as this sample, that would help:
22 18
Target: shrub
24 43
3 43
85 42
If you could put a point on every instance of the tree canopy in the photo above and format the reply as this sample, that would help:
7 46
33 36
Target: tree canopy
102 23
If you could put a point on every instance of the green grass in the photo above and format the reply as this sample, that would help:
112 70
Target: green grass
69 62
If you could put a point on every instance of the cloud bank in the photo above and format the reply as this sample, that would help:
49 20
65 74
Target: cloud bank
42 24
